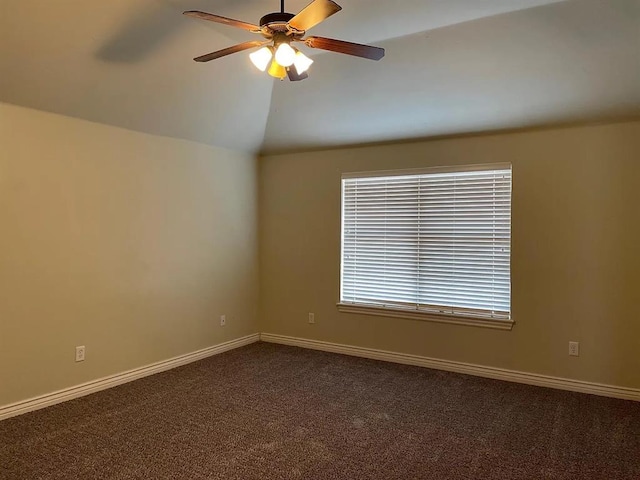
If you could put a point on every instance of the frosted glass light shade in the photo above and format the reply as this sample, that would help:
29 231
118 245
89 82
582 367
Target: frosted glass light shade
302 62
261 58
277 71
285 55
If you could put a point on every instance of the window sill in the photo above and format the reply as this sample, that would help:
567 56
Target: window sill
426 316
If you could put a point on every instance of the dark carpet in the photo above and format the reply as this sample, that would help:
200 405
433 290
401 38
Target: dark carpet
274 412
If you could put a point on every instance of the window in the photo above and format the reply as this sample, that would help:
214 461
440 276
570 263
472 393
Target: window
432 244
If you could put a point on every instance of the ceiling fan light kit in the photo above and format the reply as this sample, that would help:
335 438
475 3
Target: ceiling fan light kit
280 29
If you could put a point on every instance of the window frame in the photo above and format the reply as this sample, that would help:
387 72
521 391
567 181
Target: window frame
415 314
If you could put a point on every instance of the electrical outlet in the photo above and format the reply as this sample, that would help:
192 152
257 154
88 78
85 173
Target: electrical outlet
223 320
312 318
80 351
574 349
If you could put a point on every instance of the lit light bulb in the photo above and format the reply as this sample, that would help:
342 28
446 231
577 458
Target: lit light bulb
302 62
261 58
277 71
285 55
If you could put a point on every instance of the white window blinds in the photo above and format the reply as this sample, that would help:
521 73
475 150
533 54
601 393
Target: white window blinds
434 242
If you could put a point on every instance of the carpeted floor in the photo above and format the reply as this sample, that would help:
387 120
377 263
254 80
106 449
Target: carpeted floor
273 412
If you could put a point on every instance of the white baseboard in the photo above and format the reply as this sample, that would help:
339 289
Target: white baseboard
459 367
93 386
77 391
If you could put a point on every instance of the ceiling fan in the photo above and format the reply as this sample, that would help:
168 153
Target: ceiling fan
281 29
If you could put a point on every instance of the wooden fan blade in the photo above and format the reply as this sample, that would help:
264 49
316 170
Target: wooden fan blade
313 14
227 21
228 51
348 48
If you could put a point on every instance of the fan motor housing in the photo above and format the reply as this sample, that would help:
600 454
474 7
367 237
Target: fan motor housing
276 21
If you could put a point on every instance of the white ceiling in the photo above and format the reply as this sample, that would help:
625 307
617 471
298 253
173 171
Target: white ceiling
452 66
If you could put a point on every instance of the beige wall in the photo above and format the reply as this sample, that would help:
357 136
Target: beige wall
133 245
129 244
575 252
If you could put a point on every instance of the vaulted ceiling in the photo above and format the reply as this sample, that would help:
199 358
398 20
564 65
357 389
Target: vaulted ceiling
452 66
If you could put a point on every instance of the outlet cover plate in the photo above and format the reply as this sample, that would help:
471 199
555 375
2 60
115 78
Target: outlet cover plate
80 353
574 349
